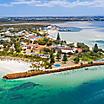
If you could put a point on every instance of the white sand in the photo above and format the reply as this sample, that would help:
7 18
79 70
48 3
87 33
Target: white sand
12 66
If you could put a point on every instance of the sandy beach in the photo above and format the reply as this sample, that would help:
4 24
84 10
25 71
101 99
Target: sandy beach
11 66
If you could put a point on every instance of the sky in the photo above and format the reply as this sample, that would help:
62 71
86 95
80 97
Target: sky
51 8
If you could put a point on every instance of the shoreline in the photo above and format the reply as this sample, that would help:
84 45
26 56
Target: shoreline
41 72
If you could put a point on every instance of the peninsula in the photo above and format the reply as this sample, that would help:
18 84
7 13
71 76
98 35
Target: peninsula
33 43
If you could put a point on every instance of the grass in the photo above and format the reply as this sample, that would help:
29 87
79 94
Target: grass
90 56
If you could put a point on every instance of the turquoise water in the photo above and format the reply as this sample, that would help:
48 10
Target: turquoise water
70 87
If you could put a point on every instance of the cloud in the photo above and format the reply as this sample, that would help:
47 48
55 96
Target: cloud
59 3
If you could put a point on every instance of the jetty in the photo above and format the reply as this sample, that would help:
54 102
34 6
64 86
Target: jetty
41 72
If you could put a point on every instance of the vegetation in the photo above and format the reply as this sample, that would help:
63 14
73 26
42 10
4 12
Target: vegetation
64 58
95 49
52 60
46 50
76 60
42 41
49 43
71 45
58 37
17 46
89 56
90 62
58 55
84 47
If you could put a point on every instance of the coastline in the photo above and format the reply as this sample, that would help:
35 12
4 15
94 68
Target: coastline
41 72
64 35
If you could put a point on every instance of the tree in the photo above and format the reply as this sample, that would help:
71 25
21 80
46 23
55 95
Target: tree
49 43
58 56
58 37
52 60
95 49
65 58
71 45
84 47
43 41
46 50
76 60
35 42
53 50
62 43
6 45
90 62
17 47
46 65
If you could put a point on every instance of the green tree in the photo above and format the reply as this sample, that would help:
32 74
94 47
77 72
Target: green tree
71 45
76 60
95 49
58 56
49 43
43 41
90 62
6 45
58 37
46 65
65 58
46 50
52 60
61 43
17 47
84 47
53 50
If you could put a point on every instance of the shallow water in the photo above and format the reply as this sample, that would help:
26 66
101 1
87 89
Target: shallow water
90 32
70 87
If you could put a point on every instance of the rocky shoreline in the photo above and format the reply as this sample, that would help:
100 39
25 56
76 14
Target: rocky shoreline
41 72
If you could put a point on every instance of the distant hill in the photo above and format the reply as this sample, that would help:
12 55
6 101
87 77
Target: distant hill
50 19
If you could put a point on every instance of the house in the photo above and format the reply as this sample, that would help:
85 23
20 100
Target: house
29 48
1 47
79 50
12 47
5 39
8 33
32 37
68 50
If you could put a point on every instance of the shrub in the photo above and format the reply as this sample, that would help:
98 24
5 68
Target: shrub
76 60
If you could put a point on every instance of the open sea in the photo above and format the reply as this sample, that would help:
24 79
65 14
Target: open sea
70 87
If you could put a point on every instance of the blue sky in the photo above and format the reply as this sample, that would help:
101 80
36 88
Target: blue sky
51 8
